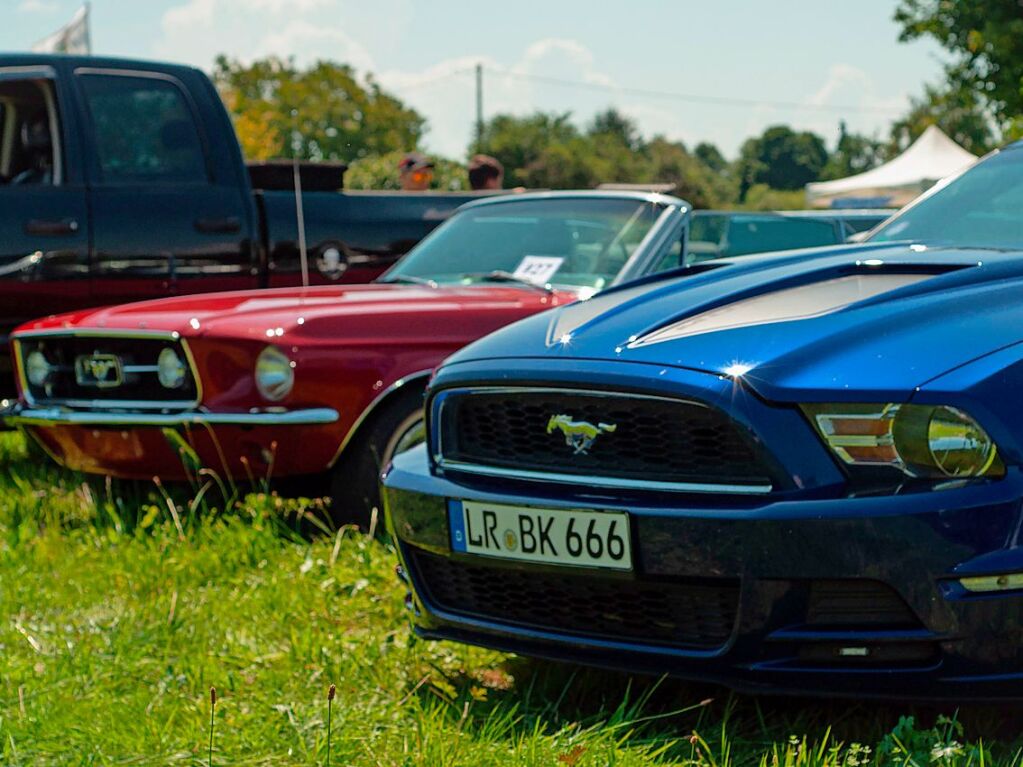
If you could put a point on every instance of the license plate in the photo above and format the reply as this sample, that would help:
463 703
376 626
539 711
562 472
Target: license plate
582 538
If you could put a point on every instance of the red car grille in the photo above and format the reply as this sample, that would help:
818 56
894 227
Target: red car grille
88 370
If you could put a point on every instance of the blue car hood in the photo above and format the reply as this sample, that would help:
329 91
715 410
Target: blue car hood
869 322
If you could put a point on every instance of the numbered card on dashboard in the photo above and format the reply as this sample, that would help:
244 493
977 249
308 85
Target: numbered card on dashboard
538 269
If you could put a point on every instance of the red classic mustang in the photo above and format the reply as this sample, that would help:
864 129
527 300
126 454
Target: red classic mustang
301 381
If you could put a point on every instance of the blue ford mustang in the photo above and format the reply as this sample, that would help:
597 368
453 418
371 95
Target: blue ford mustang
780 473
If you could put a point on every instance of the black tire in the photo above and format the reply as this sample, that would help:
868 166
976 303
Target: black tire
355 478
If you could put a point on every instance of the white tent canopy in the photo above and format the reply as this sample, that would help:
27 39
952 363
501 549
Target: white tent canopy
929 159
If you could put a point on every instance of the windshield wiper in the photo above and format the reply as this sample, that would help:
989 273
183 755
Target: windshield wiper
409 279
499 275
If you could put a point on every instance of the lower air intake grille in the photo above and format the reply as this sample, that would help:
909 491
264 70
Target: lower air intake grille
694 615
858 603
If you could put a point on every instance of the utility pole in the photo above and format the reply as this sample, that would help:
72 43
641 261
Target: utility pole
479 107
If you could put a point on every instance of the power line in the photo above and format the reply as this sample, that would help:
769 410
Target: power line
689 97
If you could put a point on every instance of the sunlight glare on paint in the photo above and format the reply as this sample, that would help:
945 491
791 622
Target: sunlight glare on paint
737 369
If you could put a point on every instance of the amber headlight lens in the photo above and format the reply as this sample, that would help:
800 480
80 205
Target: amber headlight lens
936 442
275 374
170 369
37 368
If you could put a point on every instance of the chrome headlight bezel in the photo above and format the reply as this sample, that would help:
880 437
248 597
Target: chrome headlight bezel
274 374
937 442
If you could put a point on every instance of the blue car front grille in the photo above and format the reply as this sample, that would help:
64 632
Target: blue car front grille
635 438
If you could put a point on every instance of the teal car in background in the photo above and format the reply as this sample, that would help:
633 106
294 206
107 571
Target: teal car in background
725 234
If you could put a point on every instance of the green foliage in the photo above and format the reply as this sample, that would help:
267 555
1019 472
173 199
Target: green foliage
854 153
985 38
763 197
547 151
319 113
781 158
957 112
711 156
118 613
380 171
518 142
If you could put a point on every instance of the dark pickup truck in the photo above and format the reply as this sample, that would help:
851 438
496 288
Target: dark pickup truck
123 180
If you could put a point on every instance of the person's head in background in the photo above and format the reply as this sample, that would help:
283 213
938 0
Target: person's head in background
415 172
485 172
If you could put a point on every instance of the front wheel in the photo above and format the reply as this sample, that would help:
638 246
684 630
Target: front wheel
355 478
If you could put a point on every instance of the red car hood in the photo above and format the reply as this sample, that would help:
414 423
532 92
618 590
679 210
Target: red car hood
323 312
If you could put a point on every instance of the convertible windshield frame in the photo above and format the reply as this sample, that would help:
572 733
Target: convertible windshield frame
660 209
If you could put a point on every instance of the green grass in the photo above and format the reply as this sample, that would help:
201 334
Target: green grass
117 616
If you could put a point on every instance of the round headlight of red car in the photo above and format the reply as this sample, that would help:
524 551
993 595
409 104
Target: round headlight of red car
170 369
37 368
275 374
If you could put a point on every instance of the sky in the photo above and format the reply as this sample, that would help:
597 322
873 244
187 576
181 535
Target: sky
806 63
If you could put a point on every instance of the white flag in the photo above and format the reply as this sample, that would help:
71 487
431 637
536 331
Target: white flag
73 37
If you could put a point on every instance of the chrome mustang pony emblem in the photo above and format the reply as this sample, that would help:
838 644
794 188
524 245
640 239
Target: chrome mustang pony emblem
99 370
579 435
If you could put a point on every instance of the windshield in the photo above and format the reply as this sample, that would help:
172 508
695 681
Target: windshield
981 208
572 242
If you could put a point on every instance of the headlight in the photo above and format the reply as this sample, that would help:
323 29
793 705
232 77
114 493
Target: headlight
958 445
170 369
275 374
921 440
37 368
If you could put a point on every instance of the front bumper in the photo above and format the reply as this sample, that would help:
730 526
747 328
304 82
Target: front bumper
139 444
913 547
30 416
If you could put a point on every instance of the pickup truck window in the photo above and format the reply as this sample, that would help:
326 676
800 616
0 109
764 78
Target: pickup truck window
144 130
27 127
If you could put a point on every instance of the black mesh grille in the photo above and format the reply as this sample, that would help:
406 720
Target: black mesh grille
136 360
693 615
858 603
638 438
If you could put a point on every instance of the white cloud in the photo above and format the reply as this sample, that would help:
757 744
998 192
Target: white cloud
37 6
849 86
308 42
197 30
551 74
445 92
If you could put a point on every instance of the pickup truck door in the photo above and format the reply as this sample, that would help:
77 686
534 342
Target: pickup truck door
44 225
166 218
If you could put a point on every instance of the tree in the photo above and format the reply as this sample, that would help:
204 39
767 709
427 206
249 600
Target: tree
985 38
711 156
782 159
695 182
617 127
520 141
548 151
957 112
854 153
319 113
380 171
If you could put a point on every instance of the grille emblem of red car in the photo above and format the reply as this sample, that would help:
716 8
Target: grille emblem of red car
101 371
